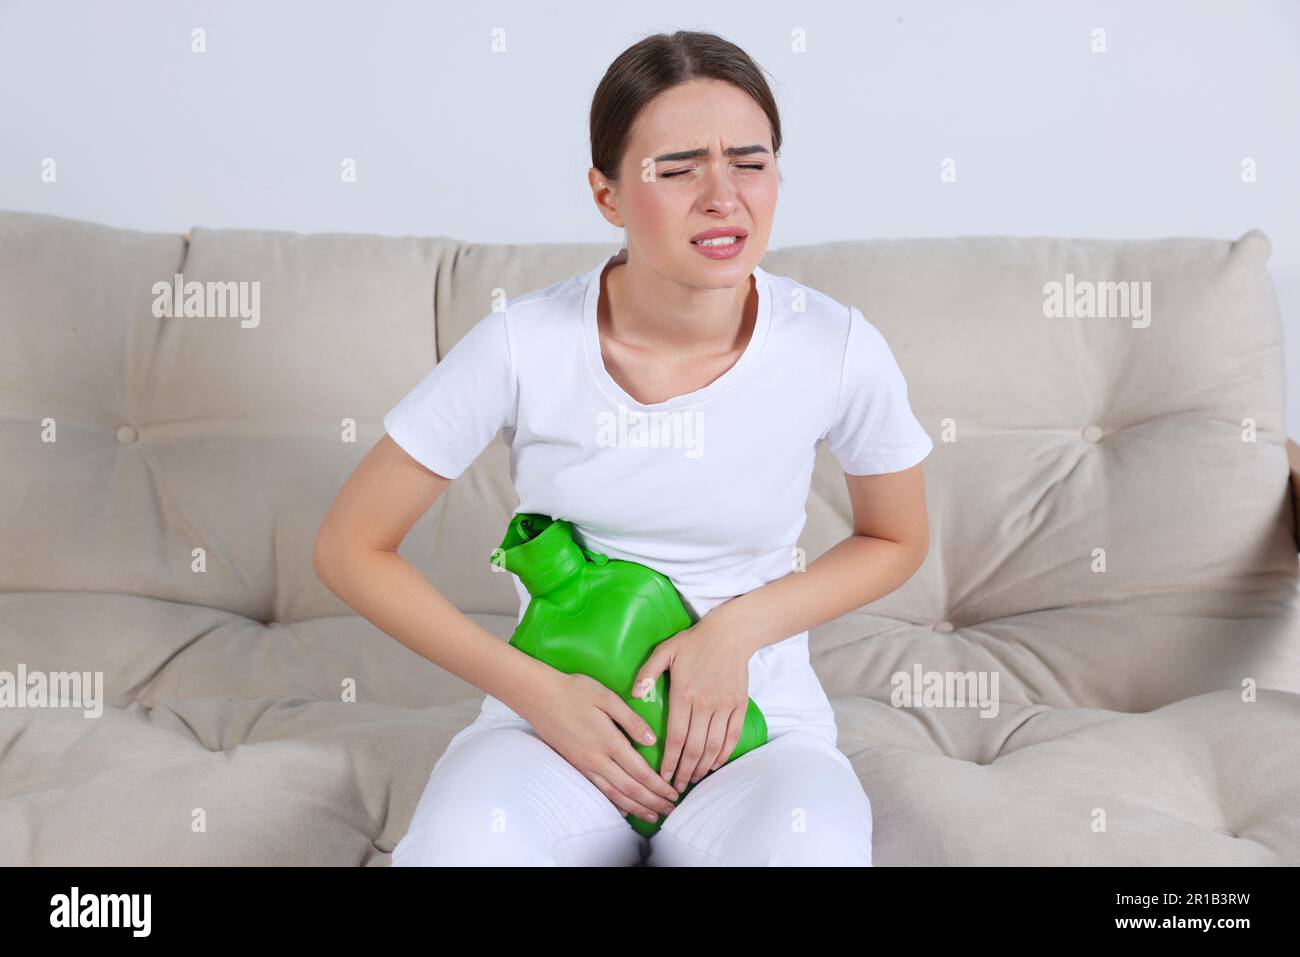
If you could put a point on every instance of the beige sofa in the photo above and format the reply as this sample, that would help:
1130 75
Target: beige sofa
1112 542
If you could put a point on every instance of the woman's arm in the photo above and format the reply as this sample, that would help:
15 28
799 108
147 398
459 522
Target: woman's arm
356 557
891 536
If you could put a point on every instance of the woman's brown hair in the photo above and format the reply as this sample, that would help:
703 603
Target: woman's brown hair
658 63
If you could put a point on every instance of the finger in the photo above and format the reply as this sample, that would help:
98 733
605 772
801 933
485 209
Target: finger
637 780
649 673
633 791
689 769
715 731
734 729
621 712
620 800
679 722
637 728
692 750
712 744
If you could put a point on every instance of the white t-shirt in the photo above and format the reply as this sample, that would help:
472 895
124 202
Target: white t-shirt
708 487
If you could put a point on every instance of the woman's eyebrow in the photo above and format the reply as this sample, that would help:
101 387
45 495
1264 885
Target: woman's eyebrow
697 154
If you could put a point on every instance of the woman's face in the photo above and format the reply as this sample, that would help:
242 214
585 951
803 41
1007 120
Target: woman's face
664 202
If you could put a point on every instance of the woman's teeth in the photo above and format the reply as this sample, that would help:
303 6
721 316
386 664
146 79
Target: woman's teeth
720 241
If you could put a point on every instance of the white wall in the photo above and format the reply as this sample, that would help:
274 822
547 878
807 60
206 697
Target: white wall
1144 140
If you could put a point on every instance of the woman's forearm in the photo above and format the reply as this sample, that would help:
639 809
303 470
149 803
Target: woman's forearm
387 590
856 571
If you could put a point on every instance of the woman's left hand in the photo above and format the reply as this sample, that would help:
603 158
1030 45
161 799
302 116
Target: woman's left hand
708 695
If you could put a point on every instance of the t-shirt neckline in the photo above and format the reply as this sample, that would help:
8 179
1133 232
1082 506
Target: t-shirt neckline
596 363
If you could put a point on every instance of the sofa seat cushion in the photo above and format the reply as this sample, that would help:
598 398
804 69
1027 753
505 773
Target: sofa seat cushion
1209 780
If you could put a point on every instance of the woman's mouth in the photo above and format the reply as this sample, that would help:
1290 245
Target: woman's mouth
720 247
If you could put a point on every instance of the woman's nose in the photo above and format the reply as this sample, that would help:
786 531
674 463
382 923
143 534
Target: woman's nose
719 194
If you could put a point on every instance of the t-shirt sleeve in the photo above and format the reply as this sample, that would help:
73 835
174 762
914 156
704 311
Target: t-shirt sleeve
873 429
462 403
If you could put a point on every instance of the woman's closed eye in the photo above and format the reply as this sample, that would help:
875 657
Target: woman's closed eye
680 172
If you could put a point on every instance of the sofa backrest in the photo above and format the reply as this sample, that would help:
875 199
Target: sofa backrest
1107 494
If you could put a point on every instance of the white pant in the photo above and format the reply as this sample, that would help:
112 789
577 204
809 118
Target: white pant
501 796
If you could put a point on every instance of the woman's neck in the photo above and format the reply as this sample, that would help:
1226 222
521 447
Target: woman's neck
651 312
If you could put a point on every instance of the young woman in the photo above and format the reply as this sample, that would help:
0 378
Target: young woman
681 335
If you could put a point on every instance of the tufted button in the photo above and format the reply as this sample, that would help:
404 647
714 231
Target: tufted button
126 433
943 626
1092 433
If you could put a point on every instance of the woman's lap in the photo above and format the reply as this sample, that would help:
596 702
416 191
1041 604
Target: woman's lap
500 795
795 801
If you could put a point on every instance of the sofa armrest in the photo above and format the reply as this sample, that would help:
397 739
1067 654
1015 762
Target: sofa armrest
1293 458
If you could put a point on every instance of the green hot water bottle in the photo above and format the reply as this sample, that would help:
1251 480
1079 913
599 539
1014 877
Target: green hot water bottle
602 617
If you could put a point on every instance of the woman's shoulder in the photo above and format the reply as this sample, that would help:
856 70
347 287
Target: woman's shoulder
561 297
807 318
537 316
799 301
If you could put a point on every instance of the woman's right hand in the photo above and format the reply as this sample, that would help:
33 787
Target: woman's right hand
581 720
